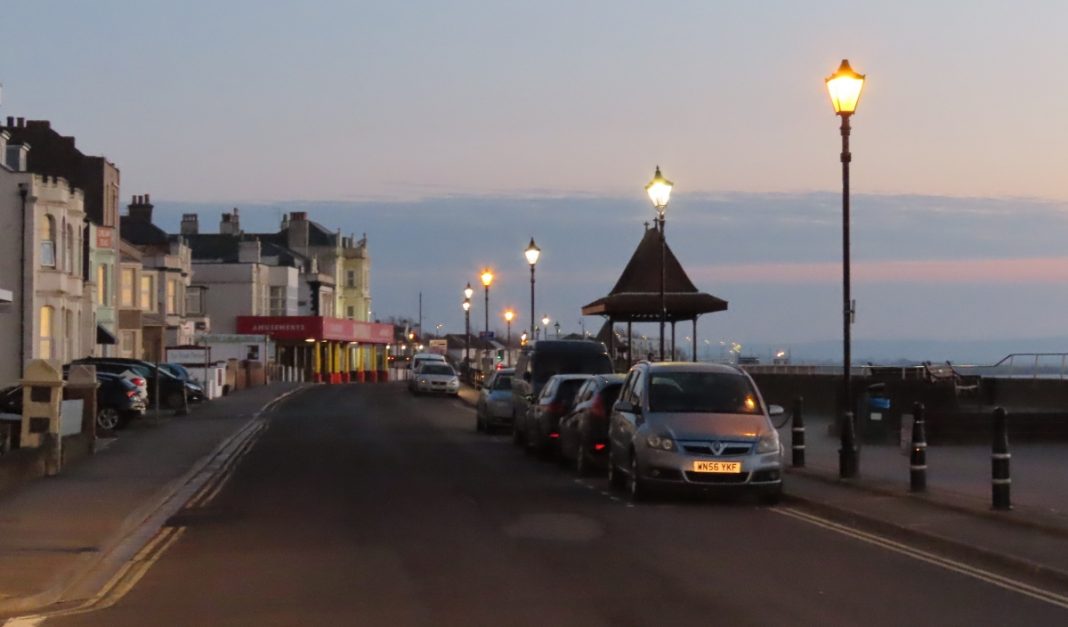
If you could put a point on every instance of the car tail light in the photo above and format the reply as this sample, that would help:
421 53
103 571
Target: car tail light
131 393
554 435
138 381
600 446
597 407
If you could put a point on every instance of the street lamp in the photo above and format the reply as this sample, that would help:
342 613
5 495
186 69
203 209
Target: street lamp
545 325
487 278
467 328
557 327
844 87
508 315
532 253
659 190
523 339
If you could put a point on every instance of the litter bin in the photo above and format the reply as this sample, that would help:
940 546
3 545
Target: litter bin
873 413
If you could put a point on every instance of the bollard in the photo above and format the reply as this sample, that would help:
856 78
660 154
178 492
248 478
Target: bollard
918 458
847 454
1001 480
797 433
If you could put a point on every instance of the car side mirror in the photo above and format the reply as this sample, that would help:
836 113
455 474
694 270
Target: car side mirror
775 410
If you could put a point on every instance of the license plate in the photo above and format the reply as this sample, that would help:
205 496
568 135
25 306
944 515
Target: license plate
724 467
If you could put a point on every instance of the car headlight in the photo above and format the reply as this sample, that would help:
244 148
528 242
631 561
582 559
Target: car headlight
422 381
768 443
662 442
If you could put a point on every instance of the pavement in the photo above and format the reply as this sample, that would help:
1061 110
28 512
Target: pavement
53 530
954 515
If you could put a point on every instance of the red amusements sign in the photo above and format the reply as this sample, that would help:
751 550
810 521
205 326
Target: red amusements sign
301 328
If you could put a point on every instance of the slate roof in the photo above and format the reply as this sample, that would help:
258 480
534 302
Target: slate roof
142 233
636 295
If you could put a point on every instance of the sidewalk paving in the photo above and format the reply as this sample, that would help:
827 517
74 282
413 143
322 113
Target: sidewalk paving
53 529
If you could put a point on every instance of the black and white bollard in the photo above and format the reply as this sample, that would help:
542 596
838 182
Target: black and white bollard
1001 480
918 457
797 433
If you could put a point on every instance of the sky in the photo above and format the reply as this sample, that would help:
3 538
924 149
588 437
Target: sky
450 132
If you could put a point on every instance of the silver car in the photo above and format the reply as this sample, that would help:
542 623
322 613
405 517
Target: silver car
494 407
693 425
436 378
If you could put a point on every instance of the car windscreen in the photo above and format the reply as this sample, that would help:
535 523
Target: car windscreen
610 393
714 392
567 389
503 383
436 369
548 364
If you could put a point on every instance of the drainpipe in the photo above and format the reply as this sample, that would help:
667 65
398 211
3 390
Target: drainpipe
23 192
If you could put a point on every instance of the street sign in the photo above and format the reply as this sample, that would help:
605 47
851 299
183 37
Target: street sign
485 335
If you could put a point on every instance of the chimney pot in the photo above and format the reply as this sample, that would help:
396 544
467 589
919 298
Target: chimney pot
10 121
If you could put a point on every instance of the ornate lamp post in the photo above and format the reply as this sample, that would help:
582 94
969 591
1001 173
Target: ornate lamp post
523 339
659 190
508 315
467 329
844 87
556 326
545 325
532 253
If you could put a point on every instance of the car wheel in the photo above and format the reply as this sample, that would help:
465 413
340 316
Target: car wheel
636 487
582 462
108 419
174 400
771 496
517 434
615 475
480 426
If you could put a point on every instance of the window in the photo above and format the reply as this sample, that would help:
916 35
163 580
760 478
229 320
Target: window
68 336
68 249
48 242
350 278
127 340
102 286
126 288
194 301
44 344
711 392
172 297
148 292
352 313
278 300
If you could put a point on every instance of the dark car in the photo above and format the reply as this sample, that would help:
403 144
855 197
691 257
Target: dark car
540 360
117 401
173 391
584 431
539 428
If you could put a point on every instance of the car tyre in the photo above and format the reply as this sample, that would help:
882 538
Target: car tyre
636 487
108 419
174 400
517 434
582 461
615 475
480 427
771 496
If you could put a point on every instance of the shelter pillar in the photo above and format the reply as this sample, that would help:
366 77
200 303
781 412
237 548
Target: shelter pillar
383 366
695 338
672 340
317 363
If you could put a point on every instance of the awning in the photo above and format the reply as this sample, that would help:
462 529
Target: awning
103 336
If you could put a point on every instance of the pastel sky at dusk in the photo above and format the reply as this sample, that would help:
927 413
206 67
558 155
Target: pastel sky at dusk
551 115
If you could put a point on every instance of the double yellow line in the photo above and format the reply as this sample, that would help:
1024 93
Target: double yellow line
987 576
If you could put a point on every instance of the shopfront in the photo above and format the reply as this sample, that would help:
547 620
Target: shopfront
329 350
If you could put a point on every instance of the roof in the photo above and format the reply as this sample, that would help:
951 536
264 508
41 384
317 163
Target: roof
142 232
636 295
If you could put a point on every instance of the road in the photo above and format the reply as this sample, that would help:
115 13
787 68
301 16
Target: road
361 505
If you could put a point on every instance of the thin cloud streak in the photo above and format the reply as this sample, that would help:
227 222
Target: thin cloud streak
1042 270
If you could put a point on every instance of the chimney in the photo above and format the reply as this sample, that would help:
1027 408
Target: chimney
230 223
298 232
190 225
10 121
248 251
141 209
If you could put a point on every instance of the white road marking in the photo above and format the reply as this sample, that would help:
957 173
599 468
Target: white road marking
1000 581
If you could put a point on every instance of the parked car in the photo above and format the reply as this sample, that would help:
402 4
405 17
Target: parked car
172 388
134 376
695 426
544 358
584 431
117 401
436 378
417 362
494 406
539 428
194 389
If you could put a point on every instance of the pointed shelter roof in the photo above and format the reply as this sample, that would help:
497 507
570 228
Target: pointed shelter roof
636 295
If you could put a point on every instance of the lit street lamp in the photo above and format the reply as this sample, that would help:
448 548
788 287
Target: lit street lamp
532 253
844 87
508 315
523 339
467 329
659 190
545 324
